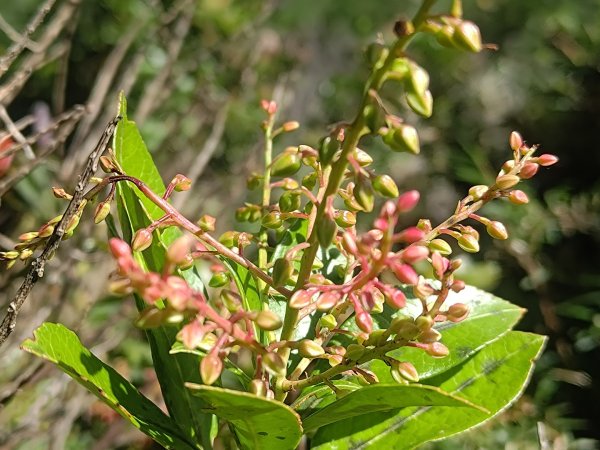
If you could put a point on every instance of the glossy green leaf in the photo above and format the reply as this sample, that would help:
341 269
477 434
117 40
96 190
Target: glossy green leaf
259 424
61 346
493 378
172 370
374 398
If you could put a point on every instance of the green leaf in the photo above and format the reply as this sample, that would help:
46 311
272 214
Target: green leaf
493 378
374 398
259 424
294 235
61 346
489 318
134 211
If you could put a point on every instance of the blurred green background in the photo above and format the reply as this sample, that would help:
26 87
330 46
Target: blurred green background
194 72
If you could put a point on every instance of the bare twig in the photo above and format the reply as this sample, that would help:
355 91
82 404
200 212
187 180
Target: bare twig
16 133
36 270
70 120
23 41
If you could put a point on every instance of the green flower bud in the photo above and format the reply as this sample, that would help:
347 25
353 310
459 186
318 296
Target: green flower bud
327 150
418 80
497 230
407 331
445 36
231 300
441 246
229 239
363 193
289 201
286 164
354 352
326 231
211 367
467 36
385 185
507 181
9 255
272 220
362 157
142 239
345 219
468 243
207 223
242 214
274 364
431 335
309 181
406 371
310 349
424 323
268 320
151 317
478 191
406 139
282 271
328 321
102 210
254 181
219 279
421 103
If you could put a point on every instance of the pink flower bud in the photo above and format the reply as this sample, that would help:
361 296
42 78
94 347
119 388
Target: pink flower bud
547 160
437 350
328 300
407 371
142 239
405 273
458 285
415 253
300 299
497 230
349 243
364 321
407 201
528 170
119 248
191 334
518 197
211 367
179 250
207 223
395 299
269 106
516 141
290 126
411 235
181 183
440 265
507 181
457 312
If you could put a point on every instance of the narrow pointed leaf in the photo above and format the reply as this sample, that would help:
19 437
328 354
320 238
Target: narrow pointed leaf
59 345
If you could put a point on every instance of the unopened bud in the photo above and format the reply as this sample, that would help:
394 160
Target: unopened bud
478 191
508 165
230 239
282 271
407 330
300 299
290 201
547 160
354 352
181 183
211 367
231 300
395 299
274 364
349 243
468 243
28 236
363 193
345 219
405 273
45 231
362 157
272 220
102 210
507 181
258 387
364 321
269 106
414 254
457 312
268 320
528 170
424 323
120 287
207 223
328 321
516 141
328 300
429 336
404 138
326 231
286 164
151 317
60 193
437 350
422 290
107 164
142 239
385 185
9 255
458 285
290 126
191 334
407 201
407 371
467 36
497 230
219 279
309 181
421 103
310 349
254 181
518 197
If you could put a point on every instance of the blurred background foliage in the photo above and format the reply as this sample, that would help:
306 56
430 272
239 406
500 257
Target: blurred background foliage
194 72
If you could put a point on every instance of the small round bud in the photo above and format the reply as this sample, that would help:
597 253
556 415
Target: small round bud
468 243
211 367
421 103
437 350
516 141
101 212
345 219
282 271
507 181
364 321
181 183
405 273
467 36
497 230
328 321
363 194
414 254
310 349
407 330
274 364
290 201
528 170
300 299
385 185
458 285
286 164
328 300
407 201
478 191
290 126
254 181
219 279
179 251
207 223
395 299
518 197
272 220
429 336
231 300
406 370
309 181
268 320
424 323
142 239
326 231
258 387
362 157
547 160
457 312
354 352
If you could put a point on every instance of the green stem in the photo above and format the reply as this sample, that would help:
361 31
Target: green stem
266 197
